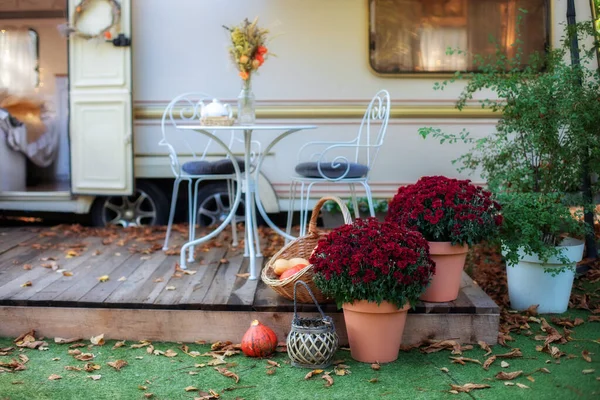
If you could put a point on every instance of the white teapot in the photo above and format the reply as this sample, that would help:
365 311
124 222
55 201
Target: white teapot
215 109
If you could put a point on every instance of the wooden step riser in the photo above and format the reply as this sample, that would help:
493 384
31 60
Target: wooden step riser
192 325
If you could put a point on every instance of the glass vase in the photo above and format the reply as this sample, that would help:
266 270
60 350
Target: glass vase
246 104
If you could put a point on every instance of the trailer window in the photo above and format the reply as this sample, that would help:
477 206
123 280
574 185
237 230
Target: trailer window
411 36
19 59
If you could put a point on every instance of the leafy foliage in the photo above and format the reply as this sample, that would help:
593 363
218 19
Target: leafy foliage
546 145
373 261
446 210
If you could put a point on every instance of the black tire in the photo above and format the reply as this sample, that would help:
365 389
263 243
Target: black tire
214 206
147 206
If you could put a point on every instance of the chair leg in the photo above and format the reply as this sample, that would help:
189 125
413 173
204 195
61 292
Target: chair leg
369 198
176 183
190 216
194 218
231 192
303 210
305 222
290 216
255 227
354 201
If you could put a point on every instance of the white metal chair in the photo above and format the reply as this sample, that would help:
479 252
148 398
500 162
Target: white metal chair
341 162
185 110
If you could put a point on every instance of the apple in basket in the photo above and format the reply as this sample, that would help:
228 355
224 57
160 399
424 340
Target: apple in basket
292 271
281 265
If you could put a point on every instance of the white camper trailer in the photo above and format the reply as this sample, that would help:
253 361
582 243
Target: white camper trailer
94 105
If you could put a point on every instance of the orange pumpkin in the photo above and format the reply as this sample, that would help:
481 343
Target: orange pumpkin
292 271
259 340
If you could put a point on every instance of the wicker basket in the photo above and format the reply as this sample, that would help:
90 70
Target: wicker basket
312 342
216 121
302 247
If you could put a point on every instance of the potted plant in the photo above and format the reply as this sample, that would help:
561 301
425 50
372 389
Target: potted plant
332 216
540 161
451 214
375 271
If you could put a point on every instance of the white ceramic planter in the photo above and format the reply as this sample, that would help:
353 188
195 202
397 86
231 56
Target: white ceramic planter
528 284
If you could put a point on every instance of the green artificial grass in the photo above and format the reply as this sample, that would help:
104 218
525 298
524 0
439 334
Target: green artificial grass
414 375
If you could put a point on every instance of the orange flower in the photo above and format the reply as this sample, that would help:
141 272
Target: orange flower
260 59
244 75
262 50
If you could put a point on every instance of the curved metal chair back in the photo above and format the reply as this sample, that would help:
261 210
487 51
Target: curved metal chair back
373 129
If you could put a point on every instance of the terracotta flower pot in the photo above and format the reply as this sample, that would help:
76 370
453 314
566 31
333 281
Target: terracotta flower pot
374 332
449 264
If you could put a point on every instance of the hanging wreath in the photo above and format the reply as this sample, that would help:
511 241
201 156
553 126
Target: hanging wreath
104 33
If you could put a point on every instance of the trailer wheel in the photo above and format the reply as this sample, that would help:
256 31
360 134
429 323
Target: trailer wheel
147 206
214 206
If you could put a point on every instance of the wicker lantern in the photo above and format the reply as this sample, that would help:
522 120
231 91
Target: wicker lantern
312 342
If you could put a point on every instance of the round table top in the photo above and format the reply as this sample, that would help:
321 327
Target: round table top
246 127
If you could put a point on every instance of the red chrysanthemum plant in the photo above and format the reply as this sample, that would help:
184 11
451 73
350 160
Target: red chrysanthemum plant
373 261
446 210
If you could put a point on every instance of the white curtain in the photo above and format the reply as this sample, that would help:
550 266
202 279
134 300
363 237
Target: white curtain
434 42
18 61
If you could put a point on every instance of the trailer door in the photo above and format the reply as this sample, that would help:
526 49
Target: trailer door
100 111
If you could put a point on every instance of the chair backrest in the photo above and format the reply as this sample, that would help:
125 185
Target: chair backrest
185 109
373 128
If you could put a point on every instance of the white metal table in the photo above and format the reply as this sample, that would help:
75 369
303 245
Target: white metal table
248 181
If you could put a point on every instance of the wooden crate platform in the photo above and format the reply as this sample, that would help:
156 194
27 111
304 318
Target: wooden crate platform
145 296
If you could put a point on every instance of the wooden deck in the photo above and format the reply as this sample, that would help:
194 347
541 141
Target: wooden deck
49 281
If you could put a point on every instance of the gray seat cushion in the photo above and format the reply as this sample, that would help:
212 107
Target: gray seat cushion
220 167
310 170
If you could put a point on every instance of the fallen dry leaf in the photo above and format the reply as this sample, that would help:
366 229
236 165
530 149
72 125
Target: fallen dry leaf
54 377
586 356
118 364
148 395
158 280
485 347
119 344
84 357
531 378
544 370
508 376
444 369
170 353
313 373
270 371
26 284
341 371
56 359
143 343
244 275
74 352
91 367
71 368
488 362
375 367
67 273
463 360
328 380
122 279
189 272
594 318
95 377
224 261
504 364
27 267
523 386
191 389
76 345
514 353
59 340
98 340
227 373
273 363
170 288
588 371
467 387
103 278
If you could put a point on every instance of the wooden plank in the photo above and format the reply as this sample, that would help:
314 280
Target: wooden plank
83 266
203 282
102 290
11 238
482 302
136 280
150 286
191 325
42 277
89 280
218 294
243 291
